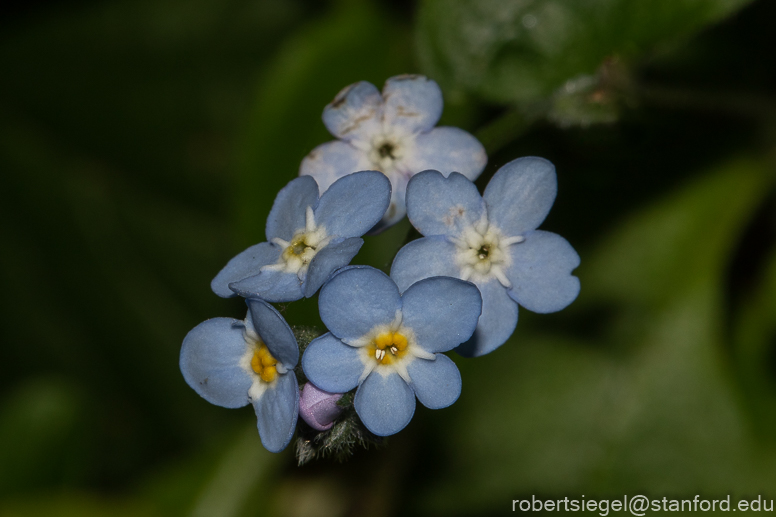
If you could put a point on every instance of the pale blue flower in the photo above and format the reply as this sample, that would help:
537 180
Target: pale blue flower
309 238
232 363
390 345
491 240
394 133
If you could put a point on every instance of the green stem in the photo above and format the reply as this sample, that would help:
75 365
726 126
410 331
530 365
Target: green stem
505 129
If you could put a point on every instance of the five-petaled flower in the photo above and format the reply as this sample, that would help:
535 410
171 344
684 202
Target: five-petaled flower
232 363
309 238
393 133
491 240
390 345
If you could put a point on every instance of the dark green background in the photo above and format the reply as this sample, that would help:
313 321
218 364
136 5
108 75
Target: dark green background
142 143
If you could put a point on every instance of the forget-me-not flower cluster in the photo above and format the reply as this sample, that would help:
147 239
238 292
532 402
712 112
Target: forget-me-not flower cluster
456 288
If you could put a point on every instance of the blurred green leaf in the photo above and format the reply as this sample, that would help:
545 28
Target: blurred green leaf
754 350
238 475
356 42
39 440
116 129
647 405
680 242
225 478
523 50
76 505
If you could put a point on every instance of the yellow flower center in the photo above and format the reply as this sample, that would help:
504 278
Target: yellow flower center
387 347
263 363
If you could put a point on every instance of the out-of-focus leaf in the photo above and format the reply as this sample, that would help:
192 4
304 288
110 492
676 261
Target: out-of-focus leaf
648 405
357 42
589 99
238 475
681 241
76 505
39 442
754 350
116 122
223 477
524 50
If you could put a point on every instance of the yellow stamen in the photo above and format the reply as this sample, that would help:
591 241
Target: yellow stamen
388 346
264 364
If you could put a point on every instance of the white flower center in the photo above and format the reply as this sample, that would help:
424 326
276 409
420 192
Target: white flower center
303 246
385 150
483 253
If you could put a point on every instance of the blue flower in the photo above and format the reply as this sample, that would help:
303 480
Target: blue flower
393 133
491 240
309 237
231 363
389 344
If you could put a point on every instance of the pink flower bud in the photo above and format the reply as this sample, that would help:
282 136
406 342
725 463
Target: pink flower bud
318 408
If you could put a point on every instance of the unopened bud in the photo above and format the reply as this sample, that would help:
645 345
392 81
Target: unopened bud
319 408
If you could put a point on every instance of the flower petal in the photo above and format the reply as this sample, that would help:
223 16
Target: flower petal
354 203
337 254
332 365
520 195
412 103
330 161
540 272
437 383
277 411
271 285
496 324
424 258
289 209
274 331
210 362
397 208
384 404
438 205
355 112
357 299
244 264
441 311
448 149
